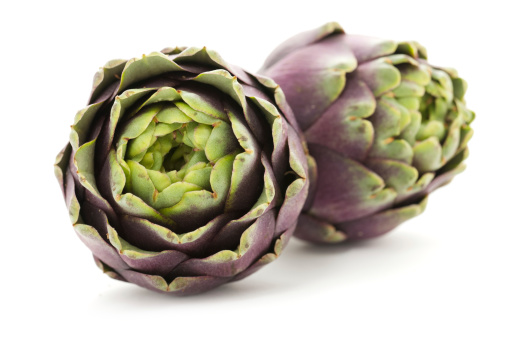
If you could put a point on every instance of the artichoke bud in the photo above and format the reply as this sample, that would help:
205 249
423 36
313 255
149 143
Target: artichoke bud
174 175
397 129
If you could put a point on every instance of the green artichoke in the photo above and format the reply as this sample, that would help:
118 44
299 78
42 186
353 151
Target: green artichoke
384 127
183 172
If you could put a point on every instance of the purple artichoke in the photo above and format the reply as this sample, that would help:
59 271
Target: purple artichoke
384 127
183 172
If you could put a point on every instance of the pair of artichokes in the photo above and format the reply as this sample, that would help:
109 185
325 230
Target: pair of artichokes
185 172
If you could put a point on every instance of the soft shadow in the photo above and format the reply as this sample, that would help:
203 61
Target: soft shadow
120 295
301 267
304 265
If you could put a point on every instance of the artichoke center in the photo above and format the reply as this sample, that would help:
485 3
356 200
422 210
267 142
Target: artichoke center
171 147
436 107
424 116
168 149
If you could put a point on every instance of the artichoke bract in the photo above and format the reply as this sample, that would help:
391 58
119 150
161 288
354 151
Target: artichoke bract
183 172
384 127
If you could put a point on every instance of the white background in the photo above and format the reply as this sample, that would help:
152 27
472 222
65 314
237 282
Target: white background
442 274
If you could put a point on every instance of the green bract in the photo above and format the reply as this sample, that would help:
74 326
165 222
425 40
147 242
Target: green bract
184 172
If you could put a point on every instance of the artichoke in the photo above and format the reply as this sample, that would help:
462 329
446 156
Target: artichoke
385 129
183 172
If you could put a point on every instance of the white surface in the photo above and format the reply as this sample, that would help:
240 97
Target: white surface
442 274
